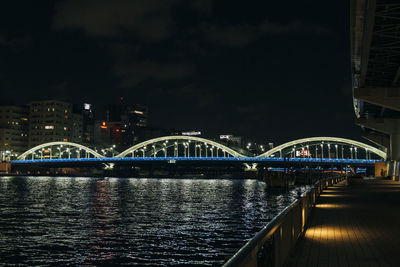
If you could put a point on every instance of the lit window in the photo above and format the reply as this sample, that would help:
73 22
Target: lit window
65 128
49 127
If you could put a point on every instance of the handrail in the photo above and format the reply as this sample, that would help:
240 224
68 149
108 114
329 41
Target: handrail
293 218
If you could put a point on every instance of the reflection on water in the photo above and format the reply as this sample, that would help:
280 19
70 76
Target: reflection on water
158 222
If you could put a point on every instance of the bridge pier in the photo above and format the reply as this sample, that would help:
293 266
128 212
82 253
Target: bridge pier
395 155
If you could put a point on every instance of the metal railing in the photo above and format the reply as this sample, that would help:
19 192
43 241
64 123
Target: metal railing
273 244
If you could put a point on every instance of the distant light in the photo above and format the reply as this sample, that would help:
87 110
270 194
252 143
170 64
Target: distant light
191 133
87 106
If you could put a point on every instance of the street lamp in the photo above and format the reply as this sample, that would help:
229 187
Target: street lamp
329 151
336 146
322 150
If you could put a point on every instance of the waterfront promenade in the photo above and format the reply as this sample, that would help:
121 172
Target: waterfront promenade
355 225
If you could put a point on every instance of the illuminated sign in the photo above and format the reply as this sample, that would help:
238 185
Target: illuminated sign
225 136
301 153
138 112
87 106
191 133
103 125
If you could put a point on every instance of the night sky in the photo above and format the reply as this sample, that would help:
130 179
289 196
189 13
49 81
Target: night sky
273 71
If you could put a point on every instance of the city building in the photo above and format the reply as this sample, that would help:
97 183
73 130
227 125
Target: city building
109 136
88 121
53 120
123 125
13 130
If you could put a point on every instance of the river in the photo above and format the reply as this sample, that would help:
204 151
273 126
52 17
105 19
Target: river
155 222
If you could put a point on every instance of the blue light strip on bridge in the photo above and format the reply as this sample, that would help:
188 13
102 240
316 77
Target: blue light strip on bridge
172 159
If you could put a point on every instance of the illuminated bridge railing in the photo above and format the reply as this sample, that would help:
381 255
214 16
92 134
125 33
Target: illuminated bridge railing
204 159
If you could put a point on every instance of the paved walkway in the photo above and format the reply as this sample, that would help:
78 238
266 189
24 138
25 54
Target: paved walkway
355 225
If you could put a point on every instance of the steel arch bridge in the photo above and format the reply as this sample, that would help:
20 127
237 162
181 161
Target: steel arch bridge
61 148
189 146
319 143
178 145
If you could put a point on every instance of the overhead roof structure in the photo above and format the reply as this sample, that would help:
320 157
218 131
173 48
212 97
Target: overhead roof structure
375 60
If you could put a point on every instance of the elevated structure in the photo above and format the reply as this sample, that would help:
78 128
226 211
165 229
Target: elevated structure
325 147
375 58
196 147
59 150
179 144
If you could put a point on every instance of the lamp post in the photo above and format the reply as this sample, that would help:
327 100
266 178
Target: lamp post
329 151
336 147
322 150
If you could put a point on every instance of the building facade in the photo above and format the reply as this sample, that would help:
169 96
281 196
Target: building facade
53 120
123 125
14 121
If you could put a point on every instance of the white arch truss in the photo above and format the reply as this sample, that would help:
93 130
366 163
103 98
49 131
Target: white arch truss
179 137
379 152
45 145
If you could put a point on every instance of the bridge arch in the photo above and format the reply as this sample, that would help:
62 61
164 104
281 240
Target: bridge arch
59 143
334 140
213 144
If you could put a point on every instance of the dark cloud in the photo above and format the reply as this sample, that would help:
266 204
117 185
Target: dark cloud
150 19
132 74
239 35
291 27
242 35
204 7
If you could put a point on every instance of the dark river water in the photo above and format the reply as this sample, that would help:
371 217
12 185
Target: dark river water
119 221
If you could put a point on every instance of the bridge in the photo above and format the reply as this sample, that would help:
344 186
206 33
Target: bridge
196 147
196 151
375 59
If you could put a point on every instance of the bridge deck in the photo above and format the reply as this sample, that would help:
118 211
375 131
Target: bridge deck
357 225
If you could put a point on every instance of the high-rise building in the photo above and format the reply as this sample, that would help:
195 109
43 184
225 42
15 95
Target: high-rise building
53 120
87 134
13 129
77 128
124 125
